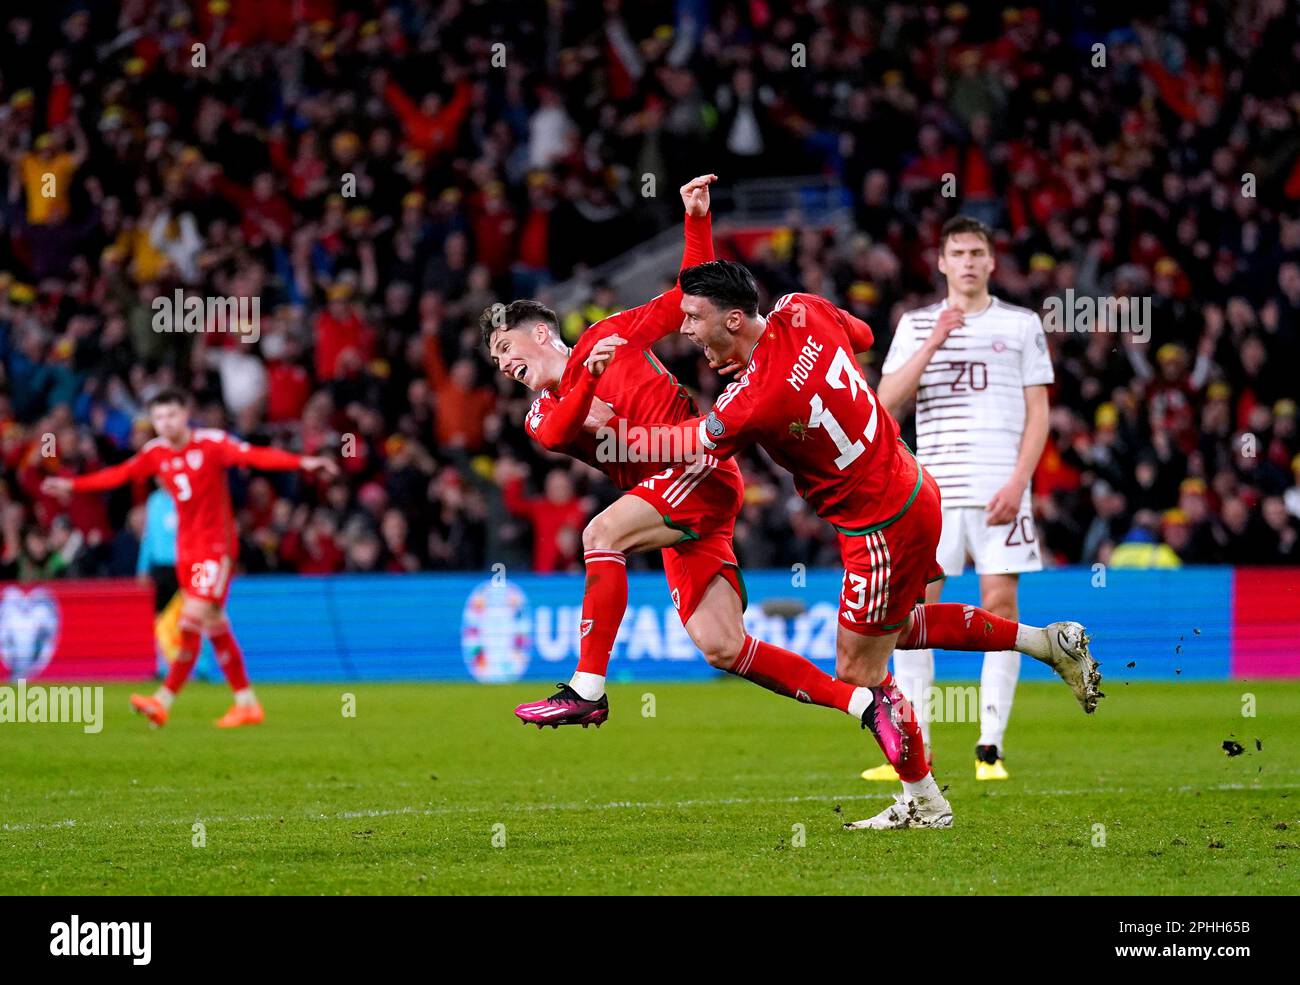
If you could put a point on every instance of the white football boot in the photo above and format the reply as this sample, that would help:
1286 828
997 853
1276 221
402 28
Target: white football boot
908 812
1068 655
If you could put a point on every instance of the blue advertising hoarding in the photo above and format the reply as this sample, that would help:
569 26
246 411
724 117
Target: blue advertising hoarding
496 628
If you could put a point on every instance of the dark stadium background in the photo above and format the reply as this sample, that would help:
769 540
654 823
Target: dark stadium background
500 150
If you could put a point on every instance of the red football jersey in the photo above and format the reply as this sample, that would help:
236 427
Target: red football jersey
803 398
635 383
195 476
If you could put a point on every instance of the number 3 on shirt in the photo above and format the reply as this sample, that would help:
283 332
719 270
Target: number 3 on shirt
843 372
183 488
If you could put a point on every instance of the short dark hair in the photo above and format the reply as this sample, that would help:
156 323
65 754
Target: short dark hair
964 224
509 316
728 285
170 395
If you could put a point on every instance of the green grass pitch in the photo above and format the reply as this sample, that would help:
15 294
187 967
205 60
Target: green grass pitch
438 789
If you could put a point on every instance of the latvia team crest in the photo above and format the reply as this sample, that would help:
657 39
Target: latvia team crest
496 632
29 632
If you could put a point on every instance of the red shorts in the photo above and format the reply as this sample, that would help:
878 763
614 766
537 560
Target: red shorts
702 500
886 570
206 577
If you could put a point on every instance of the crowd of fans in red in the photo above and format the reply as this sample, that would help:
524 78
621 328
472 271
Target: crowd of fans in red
376 173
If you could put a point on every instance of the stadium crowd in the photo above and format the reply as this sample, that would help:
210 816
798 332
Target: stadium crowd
376 173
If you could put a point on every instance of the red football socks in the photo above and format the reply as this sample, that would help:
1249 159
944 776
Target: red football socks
230 657
790 675
179 672
953 626
603 603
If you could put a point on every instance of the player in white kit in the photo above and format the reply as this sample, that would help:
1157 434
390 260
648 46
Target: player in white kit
979 370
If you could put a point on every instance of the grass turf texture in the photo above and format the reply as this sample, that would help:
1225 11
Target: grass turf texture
701 798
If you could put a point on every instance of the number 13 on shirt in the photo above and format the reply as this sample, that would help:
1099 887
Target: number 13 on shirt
843 373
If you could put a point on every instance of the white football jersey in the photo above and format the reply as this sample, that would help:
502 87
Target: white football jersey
970 406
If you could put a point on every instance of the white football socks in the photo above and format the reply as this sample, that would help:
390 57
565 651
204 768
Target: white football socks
860 702
165 698
245 698
923 789
590 686
1033 641
997 692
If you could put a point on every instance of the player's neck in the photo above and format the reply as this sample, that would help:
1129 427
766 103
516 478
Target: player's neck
970 304
557 362
182 439
748 337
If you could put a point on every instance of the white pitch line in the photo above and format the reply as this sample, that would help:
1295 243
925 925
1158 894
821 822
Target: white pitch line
617 805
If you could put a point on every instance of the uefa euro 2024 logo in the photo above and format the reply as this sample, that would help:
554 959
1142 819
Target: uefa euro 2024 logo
495 632
29 632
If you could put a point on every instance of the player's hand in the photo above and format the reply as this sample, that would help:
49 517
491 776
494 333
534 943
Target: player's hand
727 368
601 353
695 195
57 485
1004 505
319 463
598 416
949 319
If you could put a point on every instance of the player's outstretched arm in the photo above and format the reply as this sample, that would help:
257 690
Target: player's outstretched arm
135 467
276 459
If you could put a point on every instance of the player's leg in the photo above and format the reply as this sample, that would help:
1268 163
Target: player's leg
716 625
628 525
914 668
246 710
863 659
1063 646
886 572
157 707
882 579
914 674
997 679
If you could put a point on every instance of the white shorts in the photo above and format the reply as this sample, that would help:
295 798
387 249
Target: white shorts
1003 550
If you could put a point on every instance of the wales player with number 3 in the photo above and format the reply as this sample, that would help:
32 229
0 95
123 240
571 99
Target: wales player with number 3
191 463
800 395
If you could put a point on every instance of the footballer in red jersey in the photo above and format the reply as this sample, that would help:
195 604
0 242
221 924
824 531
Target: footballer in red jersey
801 396
191 463
688 511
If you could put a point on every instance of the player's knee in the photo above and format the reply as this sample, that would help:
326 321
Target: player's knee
599 535
721 648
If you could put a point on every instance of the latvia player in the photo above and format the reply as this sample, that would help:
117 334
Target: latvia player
801 396
190 463
979 370
686 511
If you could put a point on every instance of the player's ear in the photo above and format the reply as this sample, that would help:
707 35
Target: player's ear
943 264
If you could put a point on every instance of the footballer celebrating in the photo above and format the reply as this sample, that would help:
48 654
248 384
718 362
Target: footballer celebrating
979 370
801 397
191 463
687 511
